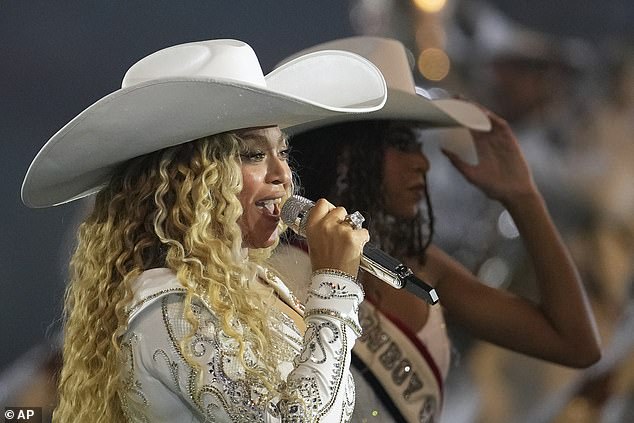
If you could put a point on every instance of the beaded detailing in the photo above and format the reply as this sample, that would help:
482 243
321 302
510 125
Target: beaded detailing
329 297
403 369
174 371
351 322
332 295
138 306
228 384
281 290
334 272
338 273
132 398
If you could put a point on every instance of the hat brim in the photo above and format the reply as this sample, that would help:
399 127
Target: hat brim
440 113
78 160
400 105
404 102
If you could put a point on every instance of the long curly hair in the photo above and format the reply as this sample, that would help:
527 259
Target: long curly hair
176 208
344 163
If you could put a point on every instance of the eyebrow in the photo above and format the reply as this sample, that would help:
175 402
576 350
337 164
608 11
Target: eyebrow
282 139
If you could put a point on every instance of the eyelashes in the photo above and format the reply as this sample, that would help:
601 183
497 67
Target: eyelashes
259 155
252 156
285 153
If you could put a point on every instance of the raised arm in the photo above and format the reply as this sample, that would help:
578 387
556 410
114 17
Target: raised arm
560 327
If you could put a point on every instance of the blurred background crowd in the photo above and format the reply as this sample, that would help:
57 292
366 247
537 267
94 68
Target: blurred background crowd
561 72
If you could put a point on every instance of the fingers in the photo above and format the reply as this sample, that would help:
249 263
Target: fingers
325 213
333 241
461 165
497 123
324 216
496 120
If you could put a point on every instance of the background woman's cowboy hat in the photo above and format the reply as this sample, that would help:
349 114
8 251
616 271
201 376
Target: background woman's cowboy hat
189 91
403 100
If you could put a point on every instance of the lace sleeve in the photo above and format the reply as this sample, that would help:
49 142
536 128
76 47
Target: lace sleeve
160 385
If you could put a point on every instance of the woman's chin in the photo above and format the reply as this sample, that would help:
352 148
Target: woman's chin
261 241
405 213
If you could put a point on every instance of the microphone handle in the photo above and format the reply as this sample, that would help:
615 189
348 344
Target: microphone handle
389 270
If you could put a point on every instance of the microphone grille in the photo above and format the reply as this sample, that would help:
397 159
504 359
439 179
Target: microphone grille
294 213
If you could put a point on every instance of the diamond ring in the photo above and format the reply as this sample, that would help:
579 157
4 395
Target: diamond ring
355 220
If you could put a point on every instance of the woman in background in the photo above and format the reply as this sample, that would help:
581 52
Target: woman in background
375 164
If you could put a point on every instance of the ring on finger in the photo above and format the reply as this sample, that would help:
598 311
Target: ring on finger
355 220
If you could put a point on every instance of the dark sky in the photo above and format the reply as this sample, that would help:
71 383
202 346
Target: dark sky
591 19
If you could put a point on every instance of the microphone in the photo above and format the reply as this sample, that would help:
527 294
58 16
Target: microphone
294 214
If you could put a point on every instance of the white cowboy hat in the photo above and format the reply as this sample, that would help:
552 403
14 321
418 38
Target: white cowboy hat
404 101
189 91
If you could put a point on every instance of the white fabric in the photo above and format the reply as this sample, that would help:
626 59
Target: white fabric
160 386
434 336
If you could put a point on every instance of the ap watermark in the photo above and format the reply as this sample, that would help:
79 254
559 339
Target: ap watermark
23 415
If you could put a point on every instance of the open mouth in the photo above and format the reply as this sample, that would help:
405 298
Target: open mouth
270 207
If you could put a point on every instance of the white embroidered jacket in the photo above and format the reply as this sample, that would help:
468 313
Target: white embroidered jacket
160 386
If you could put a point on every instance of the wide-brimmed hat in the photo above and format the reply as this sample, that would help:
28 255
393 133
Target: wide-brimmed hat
189 91
404 100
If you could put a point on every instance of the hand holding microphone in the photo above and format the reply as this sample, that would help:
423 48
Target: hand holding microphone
333 244
374 261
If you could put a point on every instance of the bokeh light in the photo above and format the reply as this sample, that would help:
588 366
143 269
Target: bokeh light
433 64
506 226
430 6
494 272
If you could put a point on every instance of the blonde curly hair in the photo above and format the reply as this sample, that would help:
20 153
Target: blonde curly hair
176 208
